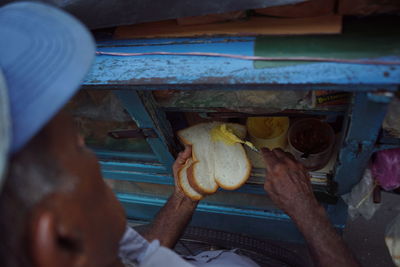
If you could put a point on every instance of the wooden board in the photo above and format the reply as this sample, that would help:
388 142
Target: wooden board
368 7
212 18
254 26
312 8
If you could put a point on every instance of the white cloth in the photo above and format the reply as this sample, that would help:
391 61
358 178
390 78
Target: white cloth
133 246
164 257
137 251
216 258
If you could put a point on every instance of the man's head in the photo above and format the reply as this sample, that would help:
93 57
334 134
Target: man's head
55 209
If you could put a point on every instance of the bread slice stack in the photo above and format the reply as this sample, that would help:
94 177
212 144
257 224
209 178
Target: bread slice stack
214 163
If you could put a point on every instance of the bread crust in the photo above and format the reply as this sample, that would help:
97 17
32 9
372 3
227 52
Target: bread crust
193 183
190 176
191 196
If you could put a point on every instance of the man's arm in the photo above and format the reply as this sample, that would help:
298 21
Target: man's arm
288 184
173 218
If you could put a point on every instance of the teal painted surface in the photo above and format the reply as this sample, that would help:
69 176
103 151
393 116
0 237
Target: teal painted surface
387 142
364 124
133 166
145 175
142 177
133 104
385 147
189 72
271 224
128 156
205 207
172 41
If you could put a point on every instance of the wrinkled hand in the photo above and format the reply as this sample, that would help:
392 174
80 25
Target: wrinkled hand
288 183
178 165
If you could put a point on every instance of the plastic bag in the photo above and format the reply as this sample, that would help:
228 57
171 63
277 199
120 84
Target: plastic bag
391 123
392 239
360 199
386 168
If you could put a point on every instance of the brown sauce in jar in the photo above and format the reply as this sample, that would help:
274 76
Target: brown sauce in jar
311 139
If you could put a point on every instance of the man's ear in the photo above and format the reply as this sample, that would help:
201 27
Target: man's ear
54 242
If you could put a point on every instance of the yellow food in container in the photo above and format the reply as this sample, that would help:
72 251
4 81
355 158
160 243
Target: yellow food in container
225 134
270 132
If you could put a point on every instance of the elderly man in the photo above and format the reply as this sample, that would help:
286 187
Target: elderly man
55 209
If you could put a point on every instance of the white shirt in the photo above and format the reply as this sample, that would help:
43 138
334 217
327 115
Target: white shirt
137 251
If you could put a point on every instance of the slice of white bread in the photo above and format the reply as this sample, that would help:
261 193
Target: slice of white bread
184 182
215 162
201 173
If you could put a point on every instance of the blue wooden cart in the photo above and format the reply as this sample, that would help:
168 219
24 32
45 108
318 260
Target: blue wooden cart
142 174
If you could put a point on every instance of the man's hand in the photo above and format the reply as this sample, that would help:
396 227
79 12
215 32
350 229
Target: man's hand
173 218
288 183
178 165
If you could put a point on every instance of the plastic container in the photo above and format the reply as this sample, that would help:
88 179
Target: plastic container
311 141
270 132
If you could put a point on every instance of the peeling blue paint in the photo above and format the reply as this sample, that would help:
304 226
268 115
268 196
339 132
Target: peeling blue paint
365 120
201 70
